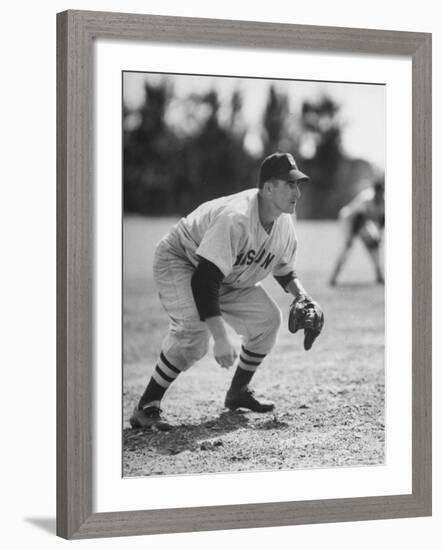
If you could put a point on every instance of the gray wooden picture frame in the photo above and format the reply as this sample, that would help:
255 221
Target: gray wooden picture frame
76 32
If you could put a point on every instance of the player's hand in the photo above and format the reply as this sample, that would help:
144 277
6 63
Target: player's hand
224 352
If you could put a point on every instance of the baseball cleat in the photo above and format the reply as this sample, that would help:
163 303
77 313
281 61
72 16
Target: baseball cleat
244 399
149 418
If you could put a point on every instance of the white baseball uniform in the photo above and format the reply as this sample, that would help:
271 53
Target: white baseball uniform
226 231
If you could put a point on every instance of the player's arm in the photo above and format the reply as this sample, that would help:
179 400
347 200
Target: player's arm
292 284
295 288
205 284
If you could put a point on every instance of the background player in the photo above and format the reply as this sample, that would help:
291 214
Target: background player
208 270
363 217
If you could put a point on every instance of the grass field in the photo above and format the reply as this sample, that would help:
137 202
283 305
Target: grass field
329 401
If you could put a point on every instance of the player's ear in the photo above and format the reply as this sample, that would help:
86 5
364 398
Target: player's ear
267 186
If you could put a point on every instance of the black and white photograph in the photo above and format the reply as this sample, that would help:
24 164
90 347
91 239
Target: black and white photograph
253 274
225 339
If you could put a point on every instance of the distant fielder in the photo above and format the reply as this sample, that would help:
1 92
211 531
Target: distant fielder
208 270
363 217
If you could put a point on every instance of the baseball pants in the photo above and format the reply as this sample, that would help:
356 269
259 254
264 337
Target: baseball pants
251 312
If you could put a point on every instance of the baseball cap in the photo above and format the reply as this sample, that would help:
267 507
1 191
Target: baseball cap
281 166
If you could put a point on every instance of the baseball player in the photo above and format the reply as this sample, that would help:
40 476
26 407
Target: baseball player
363 217
208 270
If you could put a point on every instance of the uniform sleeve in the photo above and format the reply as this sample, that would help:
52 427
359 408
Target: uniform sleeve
205 284
221 243
285 267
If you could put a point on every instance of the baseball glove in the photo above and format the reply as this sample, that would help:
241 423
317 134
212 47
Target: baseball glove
307 315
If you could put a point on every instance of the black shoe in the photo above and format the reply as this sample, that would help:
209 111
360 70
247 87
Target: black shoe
244 399
149 418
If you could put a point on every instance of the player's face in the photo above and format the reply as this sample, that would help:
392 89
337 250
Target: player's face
284 195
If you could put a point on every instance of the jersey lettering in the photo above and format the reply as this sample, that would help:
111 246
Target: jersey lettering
238 259
260 256
247 258
268 260
250 256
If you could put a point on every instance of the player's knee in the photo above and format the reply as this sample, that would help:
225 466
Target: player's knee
185 346
272 322
264 335
275 318
201 349
195 345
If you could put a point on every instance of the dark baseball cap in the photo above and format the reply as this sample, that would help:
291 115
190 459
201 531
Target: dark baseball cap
281 166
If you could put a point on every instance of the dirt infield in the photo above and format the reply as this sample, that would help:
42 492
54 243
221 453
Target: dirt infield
330 400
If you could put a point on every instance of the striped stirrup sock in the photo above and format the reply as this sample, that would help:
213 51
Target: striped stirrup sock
249 360
165 373
162 377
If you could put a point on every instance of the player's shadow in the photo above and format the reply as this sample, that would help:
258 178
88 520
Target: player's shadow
185 437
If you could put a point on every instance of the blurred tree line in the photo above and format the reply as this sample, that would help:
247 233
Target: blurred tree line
170 168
